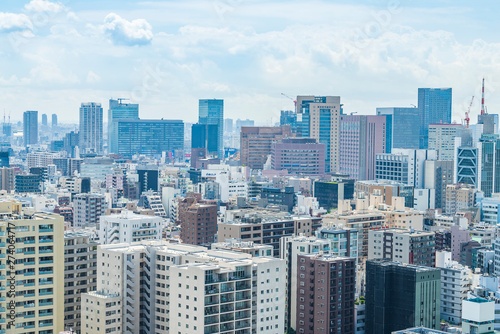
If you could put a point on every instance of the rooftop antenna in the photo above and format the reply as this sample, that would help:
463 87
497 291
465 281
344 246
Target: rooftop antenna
482 99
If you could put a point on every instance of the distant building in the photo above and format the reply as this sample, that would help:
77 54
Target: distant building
401 131
211 111
54 120
434 105
283 197
298 156
148 178
30 127
119 110
28 183
199 224
44 119
256 144
387 282
88 208
91 131
7 179
127 227
442 139
330 193
459 196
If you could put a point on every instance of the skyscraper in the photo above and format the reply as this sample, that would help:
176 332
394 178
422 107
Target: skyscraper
91 127
401 296
319 119
44 119
401 127
30 127
54 120
119 110
434 105
211 111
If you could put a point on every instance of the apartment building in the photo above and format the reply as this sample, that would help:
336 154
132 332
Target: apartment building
87 209
129 227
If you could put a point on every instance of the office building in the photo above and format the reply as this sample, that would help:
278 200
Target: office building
149 137
281 197
30 127
205 136
88 209
319 118
298 156
54 120
211 111
70 142
199 224
326 287
127 227
405 246
7 179
265 227
401 131
489 178
256 143
404 165
148 178
458 197
119 110
478 316
28 183
44 119
434 105
289 117
442 139
386 189
95 168
34 270
438 174
361 137
198 290
80 274
75 185
400 296
91 131
330 193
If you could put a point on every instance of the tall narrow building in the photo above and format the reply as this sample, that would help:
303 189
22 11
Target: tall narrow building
211 111
119 110
54 120
400 296
91 132
434 105
30 127
319 118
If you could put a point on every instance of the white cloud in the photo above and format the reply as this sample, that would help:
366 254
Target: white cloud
14 22
93 77
41 6
122 31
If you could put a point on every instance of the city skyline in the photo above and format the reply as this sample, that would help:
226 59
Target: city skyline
246 53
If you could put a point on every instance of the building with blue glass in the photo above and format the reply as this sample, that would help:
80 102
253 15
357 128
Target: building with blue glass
30 127
402 127
211 111
434 105
205 136
149 137
119 110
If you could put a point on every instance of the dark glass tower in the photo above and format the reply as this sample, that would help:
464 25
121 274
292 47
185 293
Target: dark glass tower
30 127
434 105
211 111
119 110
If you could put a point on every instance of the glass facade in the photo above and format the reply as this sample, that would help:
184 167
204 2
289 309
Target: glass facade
118 110
149 137
205 136
403 129
211 111
434 105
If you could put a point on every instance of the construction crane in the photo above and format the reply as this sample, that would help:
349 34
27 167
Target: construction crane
467 118
482 99
294 101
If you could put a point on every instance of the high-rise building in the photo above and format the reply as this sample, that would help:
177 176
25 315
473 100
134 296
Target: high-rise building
148 178
406 246
4 158
91 131
30 127
256 144
438 175
7 179
44 119
459 196
361 137
88 209
298 156
489 161
326 287
401 128
54 120
28 183
199 224
149 137
80 274
129 227
400 296
205 136
70 142
289 117
33 270
228 125
319 118
119 110
211 111
434 105
442 139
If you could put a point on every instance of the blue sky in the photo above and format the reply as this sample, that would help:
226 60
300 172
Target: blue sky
166 55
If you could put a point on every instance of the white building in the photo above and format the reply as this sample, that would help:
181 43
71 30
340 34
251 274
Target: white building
127 227
442 139
478 316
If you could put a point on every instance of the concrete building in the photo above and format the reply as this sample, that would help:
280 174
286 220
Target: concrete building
96 168
265 227
247 247
344 241
489 209
30 127
478 316
256 144
438 175
198 291
80 274
442 139
405 246
387 282
7 179
199 225
298 156
361 137
91 131
28 183
386 189
127 227
319 118
75 185
326 287
36 269
87 209
460 196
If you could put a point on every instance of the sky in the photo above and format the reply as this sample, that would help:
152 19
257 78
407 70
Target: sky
165 55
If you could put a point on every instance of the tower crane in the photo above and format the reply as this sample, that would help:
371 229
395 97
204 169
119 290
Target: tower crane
288 97
467 118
